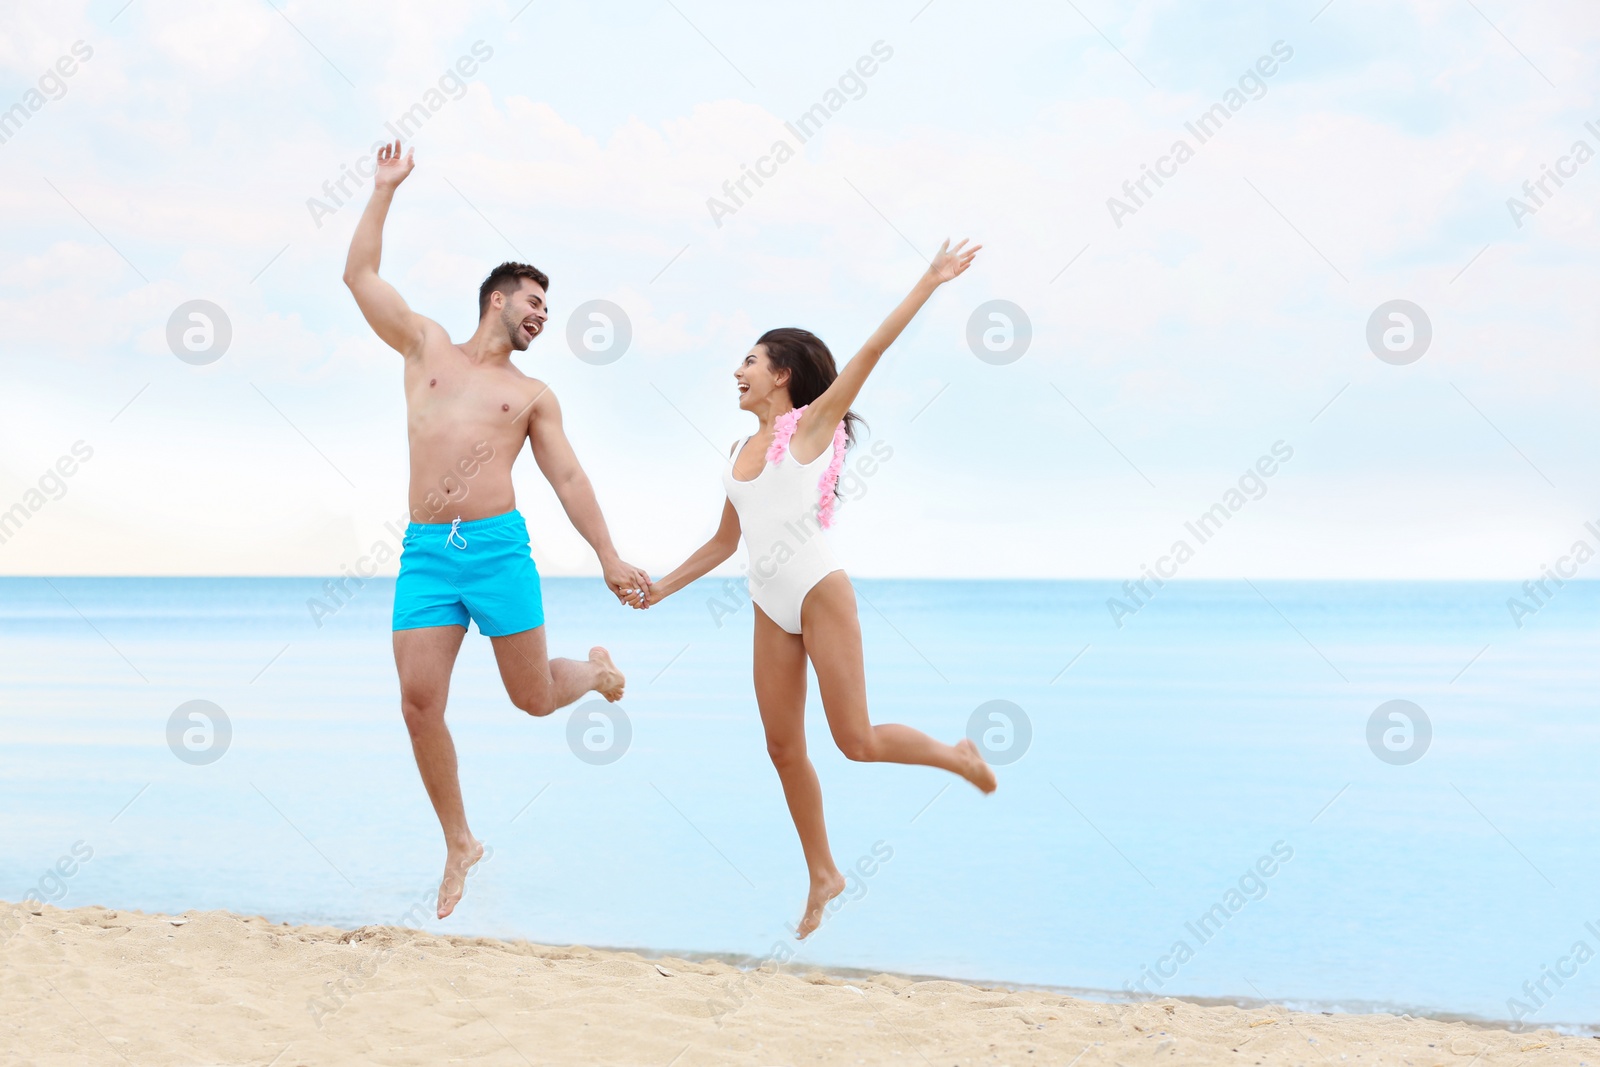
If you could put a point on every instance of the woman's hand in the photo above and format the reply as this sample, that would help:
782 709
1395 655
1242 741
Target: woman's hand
644 596
949 262
817 424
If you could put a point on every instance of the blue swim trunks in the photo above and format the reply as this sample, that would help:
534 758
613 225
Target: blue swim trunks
482 570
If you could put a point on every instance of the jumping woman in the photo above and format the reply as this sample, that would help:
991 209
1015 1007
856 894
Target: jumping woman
781 484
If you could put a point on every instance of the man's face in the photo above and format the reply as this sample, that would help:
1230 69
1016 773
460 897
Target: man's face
524 314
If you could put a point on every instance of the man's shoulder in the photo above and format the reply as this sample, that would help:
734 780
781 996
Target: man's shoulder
535 389
537 398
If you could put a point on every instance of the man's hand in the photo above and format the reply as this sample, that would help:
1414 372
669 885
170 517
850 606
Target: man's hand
392 167
949 262
630 584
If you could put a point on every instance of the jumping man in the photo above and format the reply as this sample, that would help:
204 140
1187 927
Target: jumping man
466 555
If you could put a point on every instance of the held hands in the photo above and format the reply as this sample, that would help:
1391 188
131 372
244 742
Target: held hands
631 585
949 262
648 597
392 167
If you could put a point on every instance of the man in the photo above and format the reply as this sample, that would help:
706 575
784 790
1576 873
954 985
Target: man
468 411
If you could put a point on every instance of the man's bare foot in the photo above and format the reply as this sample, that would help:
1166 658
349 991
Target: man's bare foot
975 768
611 681
456 865
822 891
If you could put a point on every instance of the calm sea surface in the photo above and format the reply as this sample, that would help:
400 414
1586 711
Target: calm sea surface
1193 807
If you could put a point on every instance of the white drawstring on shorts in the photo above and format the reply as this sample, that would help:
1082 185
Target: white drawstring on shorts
455 534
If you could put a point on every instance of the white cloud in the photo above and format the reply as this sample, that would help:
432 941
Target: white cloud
1192 337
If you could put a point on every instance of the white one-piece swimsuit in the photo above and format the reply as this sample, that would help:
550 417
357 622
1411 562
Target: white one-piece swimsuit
779 518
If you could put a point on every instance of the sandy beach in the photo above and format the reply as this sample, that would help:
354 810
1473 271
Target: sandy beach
95 985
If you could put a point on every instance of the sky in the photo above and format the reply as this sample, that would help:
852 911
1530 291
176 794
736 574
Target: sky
1179 341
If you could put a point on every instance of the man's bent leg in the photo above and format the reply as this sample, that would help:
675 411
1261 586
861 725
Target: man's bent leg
424 658
539 685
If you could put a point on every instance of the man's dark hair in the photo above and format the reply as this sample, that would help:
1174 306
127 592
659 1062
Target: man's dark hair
507 278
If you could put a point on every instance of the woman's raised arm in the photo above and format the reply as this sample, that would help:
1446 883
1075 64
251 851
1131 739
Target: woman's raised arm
817 424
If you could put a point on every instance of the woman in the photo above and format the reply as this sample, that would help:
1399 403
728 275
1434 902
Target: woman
781 486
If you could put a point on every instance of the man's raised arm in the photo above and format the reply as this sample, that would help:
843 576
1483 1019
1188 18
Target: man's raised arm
385 309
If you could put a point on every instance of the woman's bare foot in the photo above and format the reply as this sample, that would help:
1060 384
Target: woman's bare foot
456 865
974 768
611 681
822 890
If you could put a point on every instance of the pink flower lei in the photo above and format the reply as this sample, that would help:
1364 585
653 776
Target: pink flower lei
782 430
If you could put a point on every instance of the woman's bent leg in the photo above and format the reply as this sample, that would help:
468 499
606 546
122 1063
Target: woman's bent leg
832 635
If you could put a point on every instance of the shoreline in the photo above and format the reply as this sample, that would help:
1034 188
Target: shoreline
749 963
213 986
1305 1006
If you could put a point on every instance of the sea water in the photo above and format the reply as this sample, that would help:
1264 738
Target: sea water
1195 796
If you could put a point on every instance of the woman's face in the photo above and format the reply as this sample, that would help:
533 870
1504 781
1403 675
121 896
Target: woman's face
758 379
